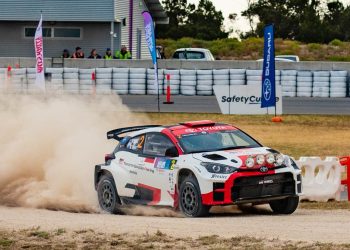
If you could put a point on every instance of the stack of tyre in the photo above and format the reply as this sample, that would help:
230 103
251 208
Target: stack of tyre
321 84
188 79
104 80
174 75
54 84
237 77
304 83
221 77
3 73
31 78
86 82
18 81
151 86
137 81
120 81
289 83
71 80
338 83
205 82
254 76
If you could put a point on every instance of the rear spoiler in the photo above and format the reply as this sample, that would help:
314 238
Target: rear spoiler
114 134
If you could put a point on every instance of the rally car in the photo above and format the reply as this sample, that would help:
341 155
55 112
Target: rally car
193 166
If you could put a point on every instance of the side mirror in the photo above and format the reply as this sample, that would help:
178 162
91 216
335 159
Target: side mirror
172 152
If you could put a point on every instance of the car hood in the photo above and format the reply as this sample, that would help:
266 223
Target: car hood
234 158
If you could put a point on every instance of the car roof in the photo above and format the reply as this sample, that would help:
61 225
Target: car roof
188 128
192 49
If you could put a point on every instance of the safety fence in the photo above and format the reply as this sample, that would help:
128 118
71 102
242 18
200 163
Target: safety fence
140 81
322 179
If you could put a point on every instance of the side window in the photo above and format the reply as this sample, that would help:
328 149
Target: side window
136 143
156 144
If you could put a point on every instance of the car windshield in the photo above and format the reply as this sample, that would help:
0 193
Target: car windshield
221 140
189 55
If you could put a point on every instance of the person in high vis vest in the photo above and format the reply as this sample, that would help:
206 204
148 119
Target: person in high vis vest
108 55
123 53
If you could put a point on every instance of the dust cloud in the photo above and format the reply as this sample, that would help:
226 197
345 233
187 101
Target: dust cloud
49 146
150 211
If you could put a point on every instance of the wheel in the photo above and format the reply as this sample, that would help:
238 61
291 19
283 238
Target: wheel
107 195
285 206
190 199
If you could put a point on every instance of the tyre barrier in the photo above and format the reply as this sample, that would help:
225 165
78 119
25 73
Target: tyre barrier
184 81
321 179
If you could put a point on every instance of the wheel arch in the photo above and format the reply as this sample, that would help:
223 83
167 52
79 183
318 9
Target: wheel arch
99 172
182 174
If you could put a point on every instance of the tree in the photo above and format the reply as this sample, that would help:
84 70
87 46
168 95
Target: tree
303 20
185 20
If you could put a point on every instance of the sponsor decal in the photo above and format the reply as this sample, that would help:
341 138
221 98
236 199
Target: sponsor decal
164 163
264 169
139 167
218 176
133 172
267 89
246 99
262 182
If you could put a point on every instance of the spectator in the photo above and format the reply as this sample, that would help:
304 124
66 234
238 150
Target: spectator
108 55
123 53
65 53
78 53
161 52
94 55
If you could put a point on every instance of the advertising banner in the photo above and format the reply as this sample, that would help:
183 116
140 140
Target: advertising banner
39 55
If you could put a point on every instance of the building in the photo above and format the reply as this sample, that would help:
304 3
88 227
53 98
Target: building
70 23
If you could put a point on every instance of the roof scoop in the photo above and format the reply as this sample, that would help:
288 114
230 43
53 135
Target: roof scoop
214 157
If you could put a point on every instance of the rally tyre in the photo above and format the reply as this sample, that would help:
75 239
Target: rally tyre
108 196
190 199
285 206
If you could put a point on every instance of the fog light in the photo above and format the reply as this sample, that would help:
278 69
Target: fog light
279 159
260 159
249 162
270 158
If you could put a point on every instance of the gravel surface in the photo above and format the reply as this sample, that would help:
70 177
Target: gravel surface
304 225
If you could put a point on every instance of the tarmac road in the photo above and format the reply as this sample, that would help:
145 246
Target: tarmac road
208 104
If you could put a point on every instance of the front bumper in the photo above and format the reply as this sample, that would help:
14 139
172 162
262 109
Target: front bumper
253 187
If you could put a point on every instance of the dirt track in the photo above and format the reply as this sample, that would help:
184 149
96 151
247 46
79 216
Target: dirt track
304 225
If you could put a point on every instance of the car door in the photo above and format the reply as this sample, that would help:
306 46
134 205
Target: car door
130 165
160 174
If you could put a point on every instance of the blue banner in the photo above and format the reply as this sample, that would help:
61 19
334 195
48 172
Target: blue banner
151 43
268 90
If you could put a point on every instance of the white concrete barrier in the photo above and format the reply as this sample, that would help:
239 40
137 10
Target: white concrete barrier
321 179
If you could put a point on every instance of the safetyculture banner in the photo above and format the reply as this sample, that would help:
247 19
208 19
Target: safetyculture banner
151 43
268 90
39 54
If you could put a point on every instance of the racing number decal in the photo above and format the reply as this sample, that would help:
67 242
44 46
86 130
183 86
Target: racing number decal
141 141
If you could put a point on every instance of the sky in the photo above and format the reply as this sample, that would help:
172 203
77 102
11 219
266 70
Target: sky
236 6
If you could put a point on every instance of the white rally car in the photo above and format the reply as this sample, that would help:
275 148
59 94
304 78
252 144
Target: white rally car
193 166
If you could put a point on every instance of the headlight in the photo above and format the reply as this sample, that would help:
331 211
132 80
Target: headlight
279 159
270 158
218 168
260 159
249 162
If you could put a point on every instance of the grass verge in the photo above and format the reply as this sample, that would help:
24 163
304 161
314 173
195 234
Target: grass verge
159 240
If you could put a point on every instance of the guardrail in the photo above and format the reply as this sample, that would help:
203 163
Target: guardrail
140 81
